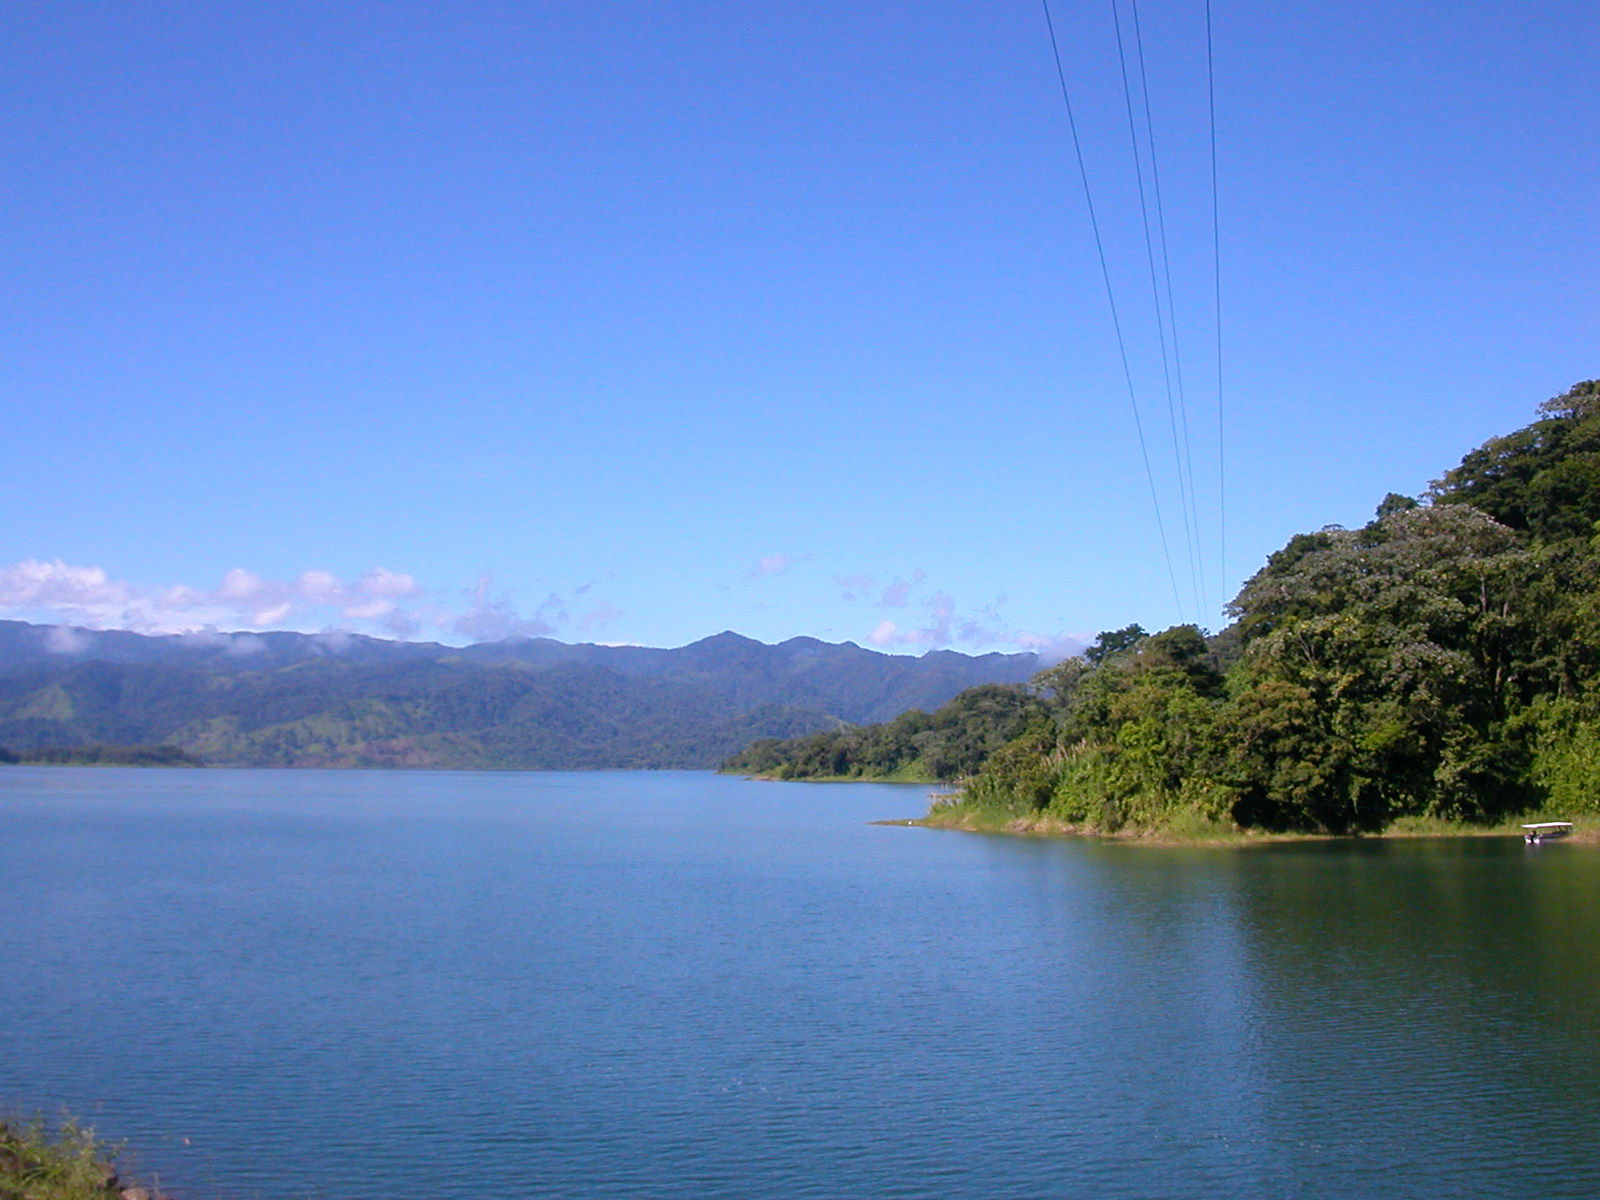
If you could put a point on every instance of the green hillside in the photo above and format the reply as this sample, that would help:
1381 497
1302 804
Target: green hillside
307 700
1441 662
949 743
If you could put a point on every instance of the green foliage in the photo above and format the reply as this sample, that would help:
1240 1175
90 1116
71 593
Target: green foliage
950 743
1114 641
1544 478
1440 664
535 704
1125 737
1019 778
1565 753
68 1163
99 755
1378 669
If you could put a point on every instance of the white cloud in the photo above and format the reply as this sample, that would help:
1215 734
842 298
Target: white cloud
553 611
319 587
773 564
31 583
381 601
369 610
274 615
64 640
598 618
179 597
401 624
1053 647
242 586
898 593
943 623
493 619
391 603
935 630
853 587
390 584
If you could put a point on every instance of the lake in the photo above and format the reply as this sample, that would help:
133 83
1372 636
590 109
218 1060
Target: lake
357 985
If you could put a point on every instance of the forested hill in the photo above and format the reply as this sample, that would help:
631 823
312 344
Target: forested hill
1441 661
949 743
294 699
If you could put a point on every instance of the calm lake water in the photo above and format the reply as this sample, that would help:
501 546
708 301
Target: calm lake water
374 984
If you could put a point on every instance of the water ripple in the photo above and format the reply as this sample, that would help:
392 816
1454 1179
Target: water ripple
347 985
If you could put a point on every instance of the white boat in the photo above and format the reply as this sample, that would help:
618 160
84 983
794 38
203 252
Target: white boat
1545 831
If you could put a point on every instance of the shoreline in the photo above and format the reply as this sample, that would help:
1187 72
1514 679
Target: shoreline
1585 834
920 780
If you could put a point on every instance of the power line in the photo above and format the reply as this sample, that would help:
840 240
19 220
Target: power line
1111 300
1156 296
1186 467
1189 530
1216 271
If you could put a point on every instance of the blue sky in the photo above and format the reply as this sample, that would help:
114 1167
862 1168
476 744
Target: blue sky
638 321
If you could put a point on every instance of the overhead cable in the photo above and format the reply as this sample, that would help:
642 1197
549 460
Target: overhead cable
1216 272
1186 467
1111 300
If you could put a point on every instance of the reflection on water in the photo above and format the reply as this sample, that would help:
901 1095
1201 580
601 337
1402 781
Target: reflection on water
679 985
1437 997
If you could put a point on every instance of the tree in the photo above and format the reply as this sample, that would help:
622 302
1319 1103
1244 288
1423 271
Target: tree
1114 641
1379 668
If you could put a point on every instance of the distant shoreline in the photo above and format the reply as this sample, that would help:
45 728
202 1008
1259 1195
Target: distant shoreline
100 755
921 780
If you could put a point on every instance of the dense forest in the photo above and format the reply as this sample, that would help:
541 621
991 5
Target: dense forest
951 742
1442 661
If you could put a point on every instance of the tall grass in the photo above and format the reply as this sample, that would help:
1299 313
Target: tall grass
64 1163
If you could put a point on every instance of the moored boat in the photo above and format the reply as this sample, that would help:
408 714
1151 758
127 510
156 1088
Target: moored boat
1545 831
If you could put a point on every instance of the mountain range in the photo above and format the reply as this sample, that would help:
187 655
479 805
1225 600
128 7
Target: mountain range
335 699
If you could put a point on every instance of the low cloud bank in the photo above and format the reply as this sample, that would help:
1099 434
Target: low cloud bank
902 613
932 620
382 602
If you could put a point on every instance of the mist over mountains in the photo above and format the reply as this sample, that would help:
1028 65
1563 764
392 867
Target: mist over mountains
294 699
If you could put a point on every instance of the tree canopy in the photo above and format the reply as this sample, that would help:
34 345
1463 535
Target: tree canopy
1441 661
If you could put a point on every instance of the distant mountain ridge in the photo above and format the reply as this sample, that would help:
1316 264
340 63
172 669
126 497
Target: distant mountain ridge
294 699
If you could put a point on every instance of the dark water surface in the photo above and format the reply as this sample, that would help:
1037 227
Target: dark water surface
375 984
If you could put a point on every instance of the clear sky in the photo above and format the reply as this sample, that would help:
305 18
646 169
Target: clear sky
636 321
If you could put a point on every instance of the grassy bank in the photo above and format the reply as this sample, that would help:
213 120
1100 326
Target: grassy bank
1190 828
68 1162
906 774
